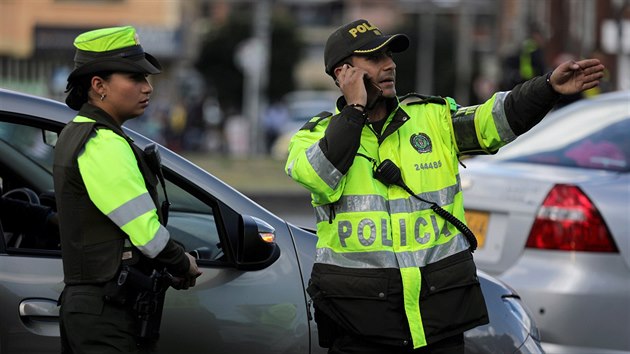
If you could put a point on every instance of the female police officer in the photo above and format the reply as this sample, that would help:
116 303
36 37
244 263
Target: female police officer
106 196
393 271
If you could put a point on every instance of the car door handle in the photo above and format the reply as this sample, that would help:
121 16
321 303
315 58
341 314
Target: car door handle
40 316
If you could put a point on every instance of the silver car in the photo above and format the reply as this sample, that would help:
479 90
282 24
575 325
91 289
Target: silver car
251 297
301 106
552 214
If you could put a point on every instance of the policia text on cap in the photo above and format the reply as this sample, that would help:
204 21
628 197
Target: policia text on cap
394 272
117 255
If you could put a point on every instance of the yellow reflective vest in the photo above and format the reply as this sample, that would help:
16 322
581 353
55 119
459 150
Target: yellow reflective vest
105 195
365 224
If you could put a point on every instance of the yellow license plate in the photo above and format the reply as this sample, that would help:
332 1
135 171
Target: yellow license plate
477 222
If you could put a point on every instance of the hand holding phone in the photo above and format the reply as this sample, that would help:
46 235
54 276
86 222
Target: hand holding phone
350 89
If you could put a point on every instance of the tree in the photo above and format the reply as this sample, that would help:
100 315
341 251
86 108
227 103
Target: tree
216 61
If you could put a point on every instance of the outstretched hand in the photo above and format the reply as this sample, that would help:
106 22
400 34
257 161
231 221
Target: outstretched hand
572 77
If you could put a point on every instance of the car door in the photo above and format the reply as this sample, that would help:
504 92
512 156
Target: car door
241 303
30 279
236 307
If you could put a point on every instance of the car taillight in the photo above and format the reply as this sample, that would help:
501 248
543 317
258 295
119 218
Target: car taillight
568 221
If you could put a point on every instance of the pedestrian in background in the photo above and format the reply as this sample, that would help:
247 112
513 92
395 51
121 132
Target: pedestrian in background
394 271
112 232
528 61
275 120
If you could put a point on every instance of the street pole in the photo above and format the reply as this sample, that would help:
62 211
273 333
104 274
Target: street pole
426 48
464 55
252 56
261 31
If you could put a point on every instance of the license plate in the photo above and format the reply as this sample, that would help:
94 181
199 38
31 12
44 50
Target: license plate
477 222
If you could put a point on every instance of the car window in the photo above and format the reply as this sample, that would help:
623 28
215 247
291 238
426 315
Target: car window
592 137
191 222
26 174
28 142
26 185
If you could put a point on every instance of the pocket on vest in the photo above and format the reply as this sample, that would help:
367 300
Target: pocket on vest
360 301
450 299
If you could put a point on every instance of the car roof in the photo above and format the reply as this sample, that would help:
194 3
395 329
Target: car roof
36 106
574 119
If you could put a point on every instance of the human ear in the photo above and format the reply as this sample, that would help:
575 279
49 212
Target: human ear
97 84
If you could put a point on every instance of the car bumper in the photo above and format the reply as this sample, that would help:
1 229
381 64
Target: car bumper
578 300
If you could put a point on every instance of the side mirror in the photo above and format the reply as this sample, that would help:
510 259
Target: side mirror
257 248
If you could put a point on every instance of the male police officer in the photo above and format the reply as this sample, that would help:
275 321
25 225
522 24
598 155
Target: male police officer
394 271
112 236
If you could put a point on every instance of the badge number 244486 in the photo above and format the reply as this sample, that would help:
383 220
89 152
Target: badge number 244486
477 221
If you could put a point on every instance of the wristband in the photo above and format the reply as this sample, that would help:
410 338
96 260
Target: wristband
355 105
548 81
354 111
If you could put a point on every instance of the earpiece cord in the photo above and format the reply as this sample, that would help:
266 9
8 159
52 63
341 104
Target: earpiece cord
388 173
459 225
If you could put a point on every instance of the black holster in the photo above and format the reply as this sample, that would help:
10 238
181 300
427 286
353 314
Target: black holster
144 294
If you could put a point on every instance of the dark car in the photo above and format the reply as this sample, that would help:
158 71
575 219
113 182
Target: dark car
251 297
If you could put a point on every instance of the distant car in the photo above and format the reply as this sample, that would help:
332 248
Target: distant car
251 297
552 214
302 106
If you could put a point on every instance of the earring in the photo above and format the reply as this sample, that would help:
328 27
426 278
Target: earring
102 97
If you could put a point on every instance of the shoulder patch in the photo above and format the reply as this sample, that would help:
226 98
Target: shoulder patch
311 124
416 98
453 106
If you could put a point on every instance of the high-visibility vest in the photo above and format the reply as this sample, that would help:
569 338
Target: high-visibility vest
94 227
526 67
362 223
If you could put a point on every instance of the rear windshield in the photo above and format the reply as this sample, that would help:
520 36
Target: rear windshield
590 135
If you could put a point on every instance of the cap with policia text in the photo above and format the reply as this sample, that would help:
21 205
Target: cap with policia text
359 38
114 49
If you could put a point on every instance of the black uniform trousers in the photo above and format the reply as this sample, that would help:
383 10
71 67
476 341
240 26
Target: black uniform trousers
88 324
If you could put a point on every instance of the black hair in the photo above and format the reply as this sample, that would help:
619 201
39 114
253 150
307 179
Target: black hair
79 87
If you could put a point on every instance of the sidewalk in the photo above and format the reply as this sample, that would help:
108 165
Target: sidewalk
261 176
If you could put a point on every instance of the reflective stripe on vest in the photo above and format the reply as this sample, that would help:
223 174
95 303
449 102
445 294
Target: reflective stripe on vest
134 217
391 259
324 169
156 244
131 207
377 203
467 130
363 224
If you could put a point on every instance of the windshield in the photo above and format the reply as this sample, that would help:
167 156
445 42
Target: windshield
590 136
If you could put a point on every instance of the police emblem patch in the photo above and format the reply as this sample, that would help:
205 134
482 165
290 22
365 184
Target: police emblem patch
421 142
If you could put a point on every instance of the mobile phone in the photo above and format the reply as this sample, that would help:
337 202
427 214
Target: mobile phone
372 90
